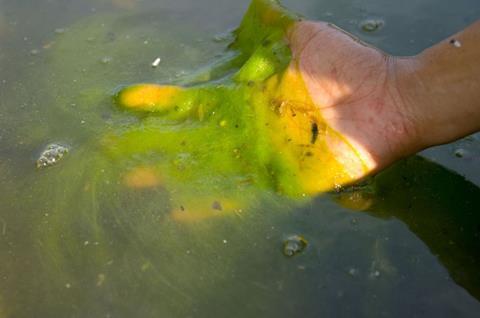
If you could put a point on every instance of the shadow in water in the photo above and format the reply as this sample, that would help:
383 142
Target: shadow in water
440 207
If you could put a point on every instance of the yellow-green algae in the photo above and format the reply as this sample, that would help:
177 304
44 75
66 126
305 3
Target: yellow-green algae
243 123
115 208
255 126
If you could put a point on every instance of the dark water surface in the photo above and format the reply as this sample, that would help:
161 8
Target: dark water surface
75 243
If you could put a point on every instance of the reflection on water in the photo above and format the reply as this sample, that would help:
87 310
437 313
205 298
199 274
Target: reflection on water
440 207
75 242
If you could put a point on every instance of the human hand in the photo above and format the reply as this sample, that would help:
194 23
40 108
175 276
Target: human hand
296 107
356 90
325 108
334 115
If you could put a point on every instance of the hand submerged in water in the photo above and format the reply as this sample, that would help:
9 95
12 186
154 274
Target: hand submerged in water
310 107
308 99
389 107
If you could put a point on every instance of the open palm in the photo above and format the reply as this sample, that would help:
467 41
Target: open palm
322 109
354 87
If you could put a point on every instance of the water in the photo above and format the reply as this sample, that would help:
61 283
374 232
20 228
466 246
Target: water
75 243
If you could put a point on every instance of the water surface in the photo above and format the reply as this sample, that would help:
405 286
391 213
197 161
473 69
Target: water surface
75 243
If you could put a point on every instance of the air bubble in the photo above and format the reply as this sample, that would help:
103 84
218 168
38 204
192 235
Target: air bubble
460 153
294 245
372 25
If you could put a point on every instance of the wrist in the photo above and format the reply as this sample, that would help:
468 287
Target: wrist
409 93
441 92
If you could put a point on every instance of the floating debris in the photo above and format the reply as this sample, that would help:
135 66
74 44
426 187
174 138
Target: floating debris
156 63
371 25
59 30
34 52
294 245
455 43
52 154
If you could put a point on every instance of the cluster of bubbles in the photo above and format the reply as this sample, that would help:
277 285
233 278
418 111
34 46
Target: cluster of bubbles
51 155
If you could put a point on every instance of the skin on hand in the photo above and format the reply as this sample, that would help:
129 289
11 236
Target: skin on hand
441 88
389 107
354 86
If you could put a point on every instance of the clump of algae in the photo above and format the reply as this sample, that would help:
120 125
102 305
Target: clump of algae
256 120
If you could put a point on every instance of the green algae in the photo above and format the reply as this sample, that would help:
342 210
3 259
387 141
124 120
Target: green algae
250 112
110 244
98 217
236 99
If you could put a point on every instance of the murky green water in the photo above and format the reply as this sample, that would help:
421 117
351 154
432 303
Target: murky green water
74 242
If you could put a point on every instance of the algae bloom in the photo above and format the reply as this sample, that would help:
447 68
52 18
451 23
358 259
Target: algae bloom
245 120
